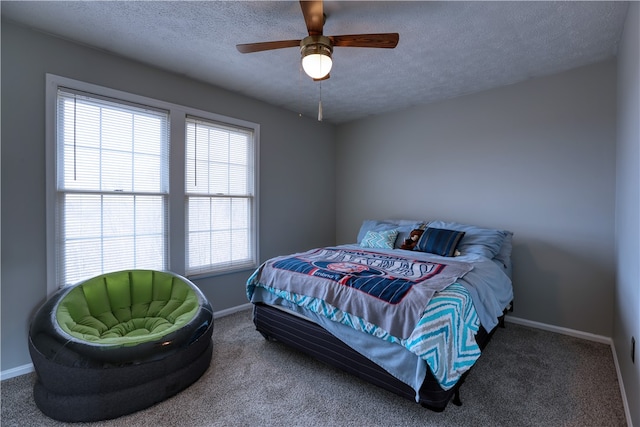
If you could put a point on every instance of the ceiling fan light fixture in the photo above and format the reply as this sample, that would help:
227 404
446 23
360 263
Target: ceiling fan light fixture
316 56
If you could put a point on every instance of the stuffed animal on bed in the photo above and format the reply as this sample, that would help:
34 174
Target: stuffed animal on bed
411 242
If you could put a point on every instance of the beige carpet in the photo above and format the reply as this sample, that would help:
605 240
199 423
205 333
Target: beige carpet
525 377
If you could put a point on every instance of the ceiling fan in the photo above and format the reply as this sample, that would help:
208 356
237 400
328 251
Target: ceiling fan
316 49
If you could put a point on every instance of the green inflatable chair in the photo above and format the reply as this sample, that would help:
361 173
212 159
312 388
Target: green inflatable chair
118 343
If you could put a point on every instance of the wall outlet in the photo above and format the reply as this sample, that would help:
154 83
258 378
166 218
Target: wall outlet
633 350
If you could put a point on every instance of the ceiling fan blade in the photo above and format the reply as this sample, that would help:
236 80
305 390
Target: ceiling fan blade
384 40
259 47
313 16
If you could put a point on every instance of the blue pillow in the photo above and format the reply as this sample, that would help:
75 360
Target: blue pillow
504 255
479 241
439 241
379 239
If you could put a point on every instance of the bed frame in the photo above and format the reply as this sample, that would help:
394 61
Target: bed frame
314 340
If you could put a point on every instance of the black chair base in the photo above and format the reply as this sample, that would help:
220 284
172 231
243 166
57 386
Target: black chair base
112 404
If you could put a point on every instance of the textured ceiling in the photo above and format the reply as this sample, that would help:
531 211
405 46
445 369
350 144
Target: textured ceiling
446 49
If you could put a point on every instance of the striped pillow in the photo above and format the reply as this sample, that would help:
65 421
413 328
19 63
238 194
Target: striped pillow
379 239
439 241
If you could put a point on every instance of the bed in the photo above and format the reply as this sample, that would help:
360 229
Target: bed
408 307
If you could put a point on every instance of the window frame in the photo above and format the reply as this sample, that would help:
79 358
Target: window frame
193 194
177 190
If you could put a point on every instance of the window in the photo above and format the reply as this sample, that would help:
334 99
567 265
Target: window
135 182
112 186
219 185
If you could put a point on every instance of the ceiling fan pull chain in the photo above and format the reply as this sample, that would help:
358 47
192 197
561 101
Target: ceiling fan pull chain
299 98
320 105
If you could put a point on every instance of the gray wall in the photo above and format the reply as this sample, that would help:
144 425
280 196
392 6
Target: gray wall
537 158
295 214
627 296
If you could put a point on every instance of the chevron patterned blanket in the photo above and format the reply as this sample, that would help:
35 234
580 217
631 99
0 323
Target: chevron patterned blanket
388 290
445 336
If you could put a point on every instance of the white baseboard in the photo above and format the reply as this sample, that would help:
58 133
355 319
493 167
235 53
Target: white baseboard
625 403
228 311
587 336
28 368
560 330
16 372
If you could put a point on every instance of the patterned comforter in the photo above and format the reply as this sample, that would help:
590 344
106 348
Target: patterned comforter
413 303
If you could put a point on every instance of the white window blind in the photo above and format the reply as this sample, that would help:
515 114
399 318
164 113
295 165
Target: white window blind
220 195
112 181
